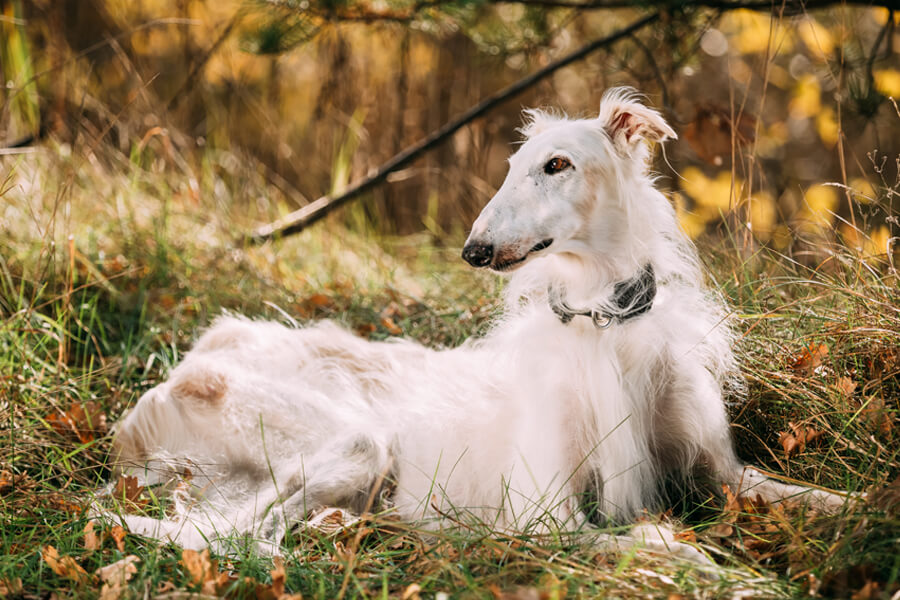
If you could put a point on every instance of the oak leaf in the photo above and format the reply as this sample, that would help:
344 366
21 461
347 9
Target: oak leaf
115 577
809 359
91 540
84 421
118 535
65 566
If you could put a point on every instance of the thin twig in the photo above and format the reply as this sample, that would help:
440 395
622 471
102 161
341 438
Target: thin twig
313 212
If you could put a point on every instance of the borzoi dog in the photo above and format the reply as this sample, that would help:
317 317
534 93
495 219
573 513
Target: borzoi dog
604 376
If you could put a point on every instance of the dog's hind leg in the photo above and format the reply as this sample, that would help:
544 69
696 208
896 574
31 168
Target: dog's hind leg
348 475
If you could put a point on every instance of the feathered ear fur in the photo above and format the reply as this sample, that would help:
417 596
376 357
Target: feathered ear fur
537 121
627 121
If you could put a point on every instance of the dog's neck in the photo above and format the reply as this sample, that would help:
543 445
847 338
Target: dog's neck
630 298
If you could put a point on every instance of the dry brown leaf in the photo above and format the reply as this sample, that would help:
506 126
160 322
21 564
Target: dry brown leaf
204 571
91 540
411 592
732 503
10 482
886 498
115 577
365 329
845 387
198 565
118 534
278 576
319 300
876 416
7 482
868 592
720 530
798 439
65 566
10 587
392 328
686 535
790 443
128 491
809 359
84 421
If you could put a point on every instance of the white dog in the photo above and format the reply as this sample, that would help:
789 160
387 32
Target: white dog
605 376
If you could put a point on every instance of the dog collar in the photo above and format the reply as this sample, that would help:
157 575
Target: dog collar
632 297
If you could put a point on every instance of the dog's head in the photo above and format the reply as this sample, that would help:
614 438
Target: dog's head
563 189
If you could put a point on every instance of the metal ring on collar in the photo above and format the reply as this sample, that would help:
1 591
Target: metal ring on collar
600 320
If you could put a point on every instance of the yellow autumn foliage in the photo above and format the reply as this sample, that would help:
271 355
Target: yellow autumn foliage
827 127
819 204
817 39
712 197
762 215
806 99
887 81
749 32
874 244
861 190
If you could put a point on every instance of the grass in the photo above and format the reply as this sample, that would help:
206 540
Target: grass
108 274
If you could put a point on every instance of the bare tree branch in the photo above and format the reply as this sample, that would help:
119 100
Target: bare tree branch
300 219
789 7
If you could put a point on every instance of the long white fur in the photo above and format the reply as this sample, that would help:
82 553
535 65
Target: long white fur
511 429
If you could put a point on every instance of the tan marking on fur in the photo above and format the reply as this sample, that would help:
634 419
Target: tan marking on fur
200 385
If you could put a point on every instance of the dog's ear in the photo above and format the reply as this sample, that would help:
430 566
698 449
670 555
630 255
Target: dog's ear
536 120
627 121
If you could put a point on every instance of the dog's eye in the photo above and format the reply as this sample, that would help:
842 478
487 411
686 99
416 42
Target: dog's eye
556 164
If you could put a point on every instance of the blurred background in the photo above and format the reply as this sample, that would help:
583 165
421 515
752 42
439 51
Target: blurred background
787 123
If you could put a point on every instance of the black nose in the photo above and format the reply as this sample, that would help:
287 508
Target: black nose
478 255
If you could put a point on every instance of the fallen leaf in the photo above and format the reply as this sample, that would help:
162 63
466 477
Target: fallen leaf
10 587
9 481
84 421
119 572
319 300
876 416
164 587
411 592
798 439
65 566
868 592
365 329
810 359
91 540
720 530
789 443
118 535
392 328
278 577
686 535
203 571
128 491
886 498
845 387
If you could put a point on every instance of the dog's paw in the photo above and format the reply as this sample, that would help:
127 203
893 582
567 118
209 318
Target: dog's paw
660 539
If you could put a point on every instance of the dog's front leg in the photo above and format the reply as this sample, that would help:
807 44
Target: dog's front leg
655 538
